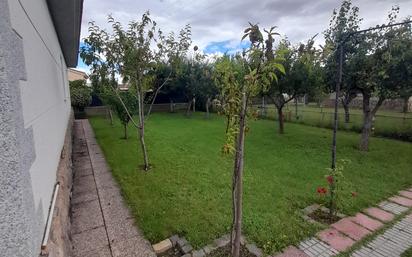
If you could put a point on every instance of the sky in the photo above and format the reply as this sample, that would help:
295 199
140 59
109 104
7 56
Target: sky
217 26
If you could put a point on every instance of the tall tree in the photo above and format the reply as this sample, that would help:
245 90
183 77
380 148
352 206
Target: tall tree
344 21
239 79
383 74
133 54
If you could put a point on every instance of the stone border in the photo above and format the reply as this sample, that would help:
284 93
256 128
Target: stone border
186 248
314 207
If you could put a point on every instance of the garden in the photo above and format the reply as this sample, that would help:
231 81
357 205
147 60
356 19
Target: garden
225 165
188 190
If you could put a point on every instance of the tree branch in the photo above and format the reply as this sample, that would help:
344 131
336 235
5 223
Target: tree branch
125 108
155 95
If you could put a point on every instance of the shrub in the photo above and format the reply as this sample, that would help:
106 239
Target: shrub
80 94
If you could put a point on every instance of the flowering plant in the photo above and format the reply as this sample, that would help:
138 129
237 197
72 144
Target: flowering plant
336 186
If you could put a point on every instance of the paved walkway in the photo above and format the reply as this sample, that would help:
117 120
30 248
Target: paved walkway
102 225
347 231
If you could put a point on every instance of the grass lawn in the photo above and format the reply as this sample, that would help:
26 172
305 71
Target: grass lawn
188 190
387 123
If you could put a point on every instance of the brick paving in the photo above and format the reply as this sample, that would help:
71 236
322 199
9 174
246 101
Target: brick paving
393 242
102 225
342 235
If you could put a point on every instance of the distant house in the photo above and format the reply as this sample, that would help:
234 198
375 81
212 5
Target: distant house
73 74
39 39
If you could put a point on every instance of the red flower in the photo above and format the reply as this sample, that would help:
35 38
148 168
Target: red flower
321 190
354 194
329 179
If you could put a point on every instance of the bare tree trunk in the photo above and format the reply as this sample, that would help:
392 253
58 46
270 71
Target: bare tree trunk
263 107
281 120
237 192
171 106
296 109
125 131
141 129
155 95
194 104
207 107
189 104
368 117
347 114
405 108
111 116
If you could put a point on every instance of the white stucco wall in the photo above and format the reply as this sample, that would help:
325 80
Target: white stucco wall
44 95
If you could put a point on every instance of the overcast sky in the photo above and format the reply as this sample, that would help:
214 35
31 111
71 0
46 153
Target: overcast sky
217 25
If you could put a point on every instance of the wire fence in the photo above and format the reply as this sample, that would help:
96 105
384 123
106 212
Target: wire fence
397 125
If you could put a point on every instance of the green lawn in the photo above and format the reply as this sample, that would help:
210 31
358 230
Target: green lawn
387 123
188 190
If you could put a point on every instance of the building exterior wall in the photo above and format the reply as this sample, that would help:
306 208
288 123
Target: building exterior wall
34 115
76 75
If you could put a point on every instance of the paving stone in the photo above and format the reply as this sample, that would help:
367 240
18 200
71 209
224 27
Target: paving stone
198 253
182 242
187 248
174 239
406 193
393 207
222 241
402 201
101 252
313 247
90 240
367 222
335 239
132 247
84 184
379 214
253 249
351 229
209 248
162 246
84 197
86 216
121 230
292 251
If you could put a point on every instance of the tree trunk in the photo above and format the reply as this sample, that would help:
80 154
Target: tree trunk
207 107
281 120
296 109
263 107
189 104
111 116
171 106
194 104
125 131
141 129
368 118
237 189
347 115
405 105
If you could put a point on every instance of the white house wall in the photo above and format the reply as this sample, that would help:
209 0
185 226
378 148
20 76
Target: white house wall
42 100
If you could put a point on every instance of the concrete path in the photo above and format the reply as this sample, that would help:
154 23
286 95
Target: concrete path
102 225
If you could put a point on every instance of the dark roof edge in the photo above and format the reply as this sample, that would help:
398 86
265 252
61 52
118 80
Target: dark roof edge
67 17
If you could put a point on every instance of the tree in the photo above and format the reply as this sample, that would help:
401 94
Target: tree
379 74
239 78
133 54
80 94
345 21
302 66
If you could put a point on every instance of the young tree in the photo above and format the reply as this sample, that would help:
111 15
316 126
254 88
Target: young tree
239 79
133 54
302 66
345 21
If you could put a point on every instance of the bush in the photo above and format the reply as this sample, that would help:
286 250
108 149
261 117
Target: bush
80 94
